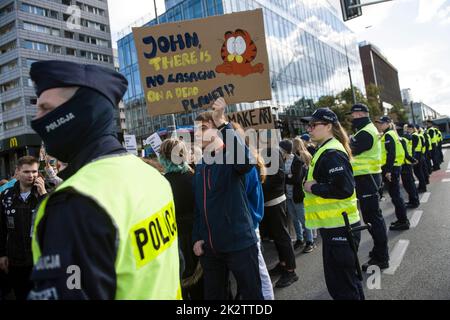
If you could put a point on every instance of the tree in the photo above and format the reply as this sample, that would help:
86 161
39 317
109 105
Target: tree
398 113
373 101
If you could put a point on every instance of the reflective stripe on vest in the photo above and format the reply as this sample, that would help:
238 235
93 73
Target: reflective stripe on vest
368 162
408 143
139 202
327 213
399 151
419 143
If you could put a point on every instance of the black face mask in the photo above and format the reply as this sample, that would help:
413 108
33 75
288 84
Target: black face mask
87 116
357 123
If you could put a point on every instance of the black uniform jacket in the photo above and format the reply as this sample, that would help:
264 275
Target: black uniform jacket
77 237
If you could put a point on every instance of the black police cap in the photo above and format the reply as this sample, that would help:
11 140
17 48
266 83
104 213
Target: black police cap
359 107
384 119
322 114
58 74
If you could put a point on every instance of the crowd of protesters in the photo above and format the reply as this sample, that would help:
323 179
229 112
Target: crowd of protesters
228 210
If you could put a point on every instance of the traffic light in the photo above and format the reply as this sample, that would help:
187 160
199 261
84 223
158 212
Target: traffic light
348 13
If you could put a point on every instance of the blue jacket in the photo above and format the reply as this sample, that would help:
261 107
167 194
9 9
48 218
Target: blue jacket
255 196
223 218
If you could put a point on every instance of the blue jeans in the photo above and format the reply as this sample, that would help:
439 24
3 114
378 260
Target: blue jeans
297 213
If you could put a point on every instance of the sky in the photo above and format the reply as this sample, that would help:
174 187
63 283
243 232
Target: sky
414 35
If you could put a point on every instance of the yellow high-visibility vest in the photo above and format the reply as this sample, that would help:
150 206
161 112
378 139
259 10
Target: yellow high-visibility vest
368 162
399 152
139 201
327 213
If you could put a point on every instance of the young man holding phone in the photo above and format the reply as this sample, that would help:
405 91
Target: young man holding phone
17 206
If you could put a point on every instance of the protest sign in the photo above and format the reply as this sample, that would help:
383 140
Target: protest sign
130 143
185 66
257 119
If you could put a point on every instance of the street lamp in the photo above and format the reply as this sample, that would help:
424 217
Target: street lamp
349 72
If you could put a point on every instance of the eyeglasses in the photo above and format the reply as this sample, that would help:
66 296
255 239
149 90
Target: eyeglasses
313 125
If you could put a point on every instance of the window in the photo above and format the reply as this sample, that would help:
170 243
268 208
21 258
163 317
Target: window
14 124
8 9
39 11
38 46
8 47
70 52
69 35
5 29
9 86
6 106
8 67
30 62
42 29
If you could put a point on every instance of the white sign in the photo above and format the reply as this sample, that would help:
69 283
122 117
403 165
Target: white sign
155 141
130 143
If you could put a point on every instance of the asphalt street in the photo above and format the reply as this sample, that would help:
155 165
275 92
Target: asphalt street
420 256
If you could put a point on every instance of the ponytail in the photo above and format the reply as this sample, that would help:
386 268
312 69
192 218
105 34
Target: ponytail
340 134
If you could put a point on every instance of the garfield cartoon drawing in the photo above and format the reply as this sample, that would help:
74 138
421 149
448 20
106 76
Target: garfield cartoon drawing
238 51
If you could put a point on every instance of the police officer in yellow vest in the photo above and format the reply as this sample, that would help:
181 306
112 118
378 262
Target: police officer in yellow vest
417 152
108 231
366 149
425 168
392 159
434 141
330 191
407 175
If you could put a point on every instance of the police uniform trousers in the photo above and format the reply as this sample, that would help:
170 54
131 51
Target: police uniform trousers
420 175
394 193
425 172
429 156
339 264
367 187
436 158
441 154
409 184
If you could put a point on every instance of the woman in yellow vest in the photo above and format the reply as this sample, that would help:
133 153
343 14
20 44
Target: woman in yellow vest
330 191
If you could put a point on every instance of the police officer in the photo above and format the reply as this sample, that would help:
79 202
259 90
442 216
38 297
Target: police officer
429 150
366 149
434 141
424 157
416 148
407 171
330 191
108 231
392 159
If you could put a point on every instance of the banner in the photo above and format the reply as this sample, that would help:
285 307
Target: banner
258 119
185 66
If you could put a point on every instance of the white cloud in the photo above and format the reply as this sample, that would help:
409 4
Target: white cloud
428 9
419 69
124 13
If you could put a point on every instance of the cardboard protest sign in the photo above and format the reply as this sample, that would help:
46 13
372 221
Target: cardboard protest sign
187 65
257 119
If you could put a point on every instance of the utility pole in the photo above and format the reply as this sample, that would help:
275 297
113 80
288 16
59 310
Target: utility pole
412 113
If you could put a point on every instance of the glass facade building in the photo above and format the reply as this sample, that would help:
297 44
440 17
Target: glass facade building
307 43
